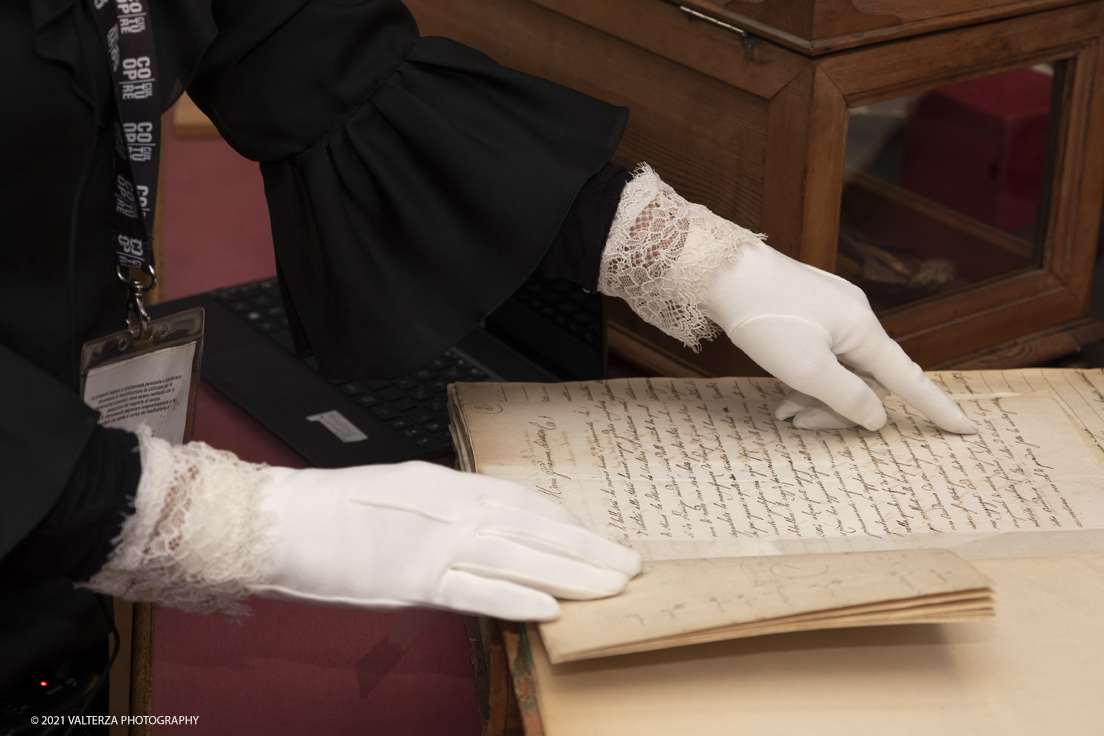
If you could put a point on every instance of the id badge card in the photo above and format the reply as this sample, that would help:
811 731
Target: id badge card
151 380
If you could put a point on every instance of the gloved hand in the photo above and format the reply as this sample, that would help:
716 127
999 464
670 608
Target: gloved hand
209 529
810 413
687 271
800 323
419 534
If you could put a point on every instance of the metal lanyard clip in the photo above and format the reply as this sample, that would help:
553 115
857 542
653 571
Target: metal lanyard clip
137 318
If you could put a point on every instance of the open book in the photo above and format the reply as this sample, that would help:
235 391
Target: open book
680 602
698 469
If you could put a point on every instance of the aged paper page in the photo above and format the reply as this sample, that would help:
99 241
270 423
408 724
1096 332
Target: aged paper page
1036 668
678 602
683 468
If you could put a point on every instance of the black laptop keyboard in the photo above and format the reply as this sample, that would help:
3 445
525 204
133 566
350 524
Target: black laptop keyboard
565 304
414 405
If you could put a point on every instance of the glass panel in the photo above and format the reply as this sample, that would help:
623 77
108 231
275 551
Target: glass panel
946 188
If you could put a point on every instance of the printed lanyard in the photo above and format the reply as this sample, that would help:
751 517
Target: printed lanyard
128 37
148 374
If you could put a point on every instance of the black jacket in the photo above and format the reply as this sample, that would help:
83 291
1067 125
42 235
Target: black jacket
412 182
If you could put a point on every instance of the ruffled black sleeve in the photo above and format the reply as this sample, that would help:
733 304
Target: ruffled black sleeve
413 183
43 430
576 253
75 538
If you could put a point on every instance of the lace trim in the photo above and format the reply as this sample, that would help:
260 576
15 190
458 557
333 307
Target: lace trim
662 254
197 538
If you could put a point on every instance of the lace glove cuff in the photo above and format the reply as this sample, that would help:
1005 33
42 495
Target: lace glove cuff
209 529
197 539
662 254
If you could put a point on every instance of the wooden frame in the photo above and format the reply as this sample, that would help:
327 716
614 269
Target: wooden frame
816 27
1034 299
130 677
141 667
757 132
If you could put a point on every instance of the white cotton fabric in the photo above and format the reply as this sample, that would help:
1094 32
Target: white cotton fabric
808 412
209 529
197 539
418 534
804 325
662 253
693 274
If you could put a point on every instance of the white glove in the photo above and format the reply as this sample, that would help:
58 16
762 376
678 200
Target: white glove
209 530
810 413
419 534
688 272
799 323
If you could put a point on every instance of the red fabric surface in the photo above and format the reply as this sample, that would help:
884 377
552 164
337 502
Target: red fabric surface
216 230
287 668
291 669
979 147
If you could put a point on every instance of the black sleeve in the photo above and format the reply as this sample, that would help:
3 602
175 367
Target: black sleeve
576 253
44 428
75 538
413 183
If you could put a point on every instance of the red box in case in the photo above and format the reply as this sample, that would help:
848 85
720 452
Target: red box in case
979 146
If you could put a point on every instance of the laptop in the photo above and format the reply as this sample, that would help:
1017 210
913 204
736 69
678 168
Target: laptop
549 330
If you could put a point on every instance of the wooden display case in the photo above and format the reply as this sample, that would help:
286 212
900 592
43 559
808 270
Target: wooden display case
751 117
